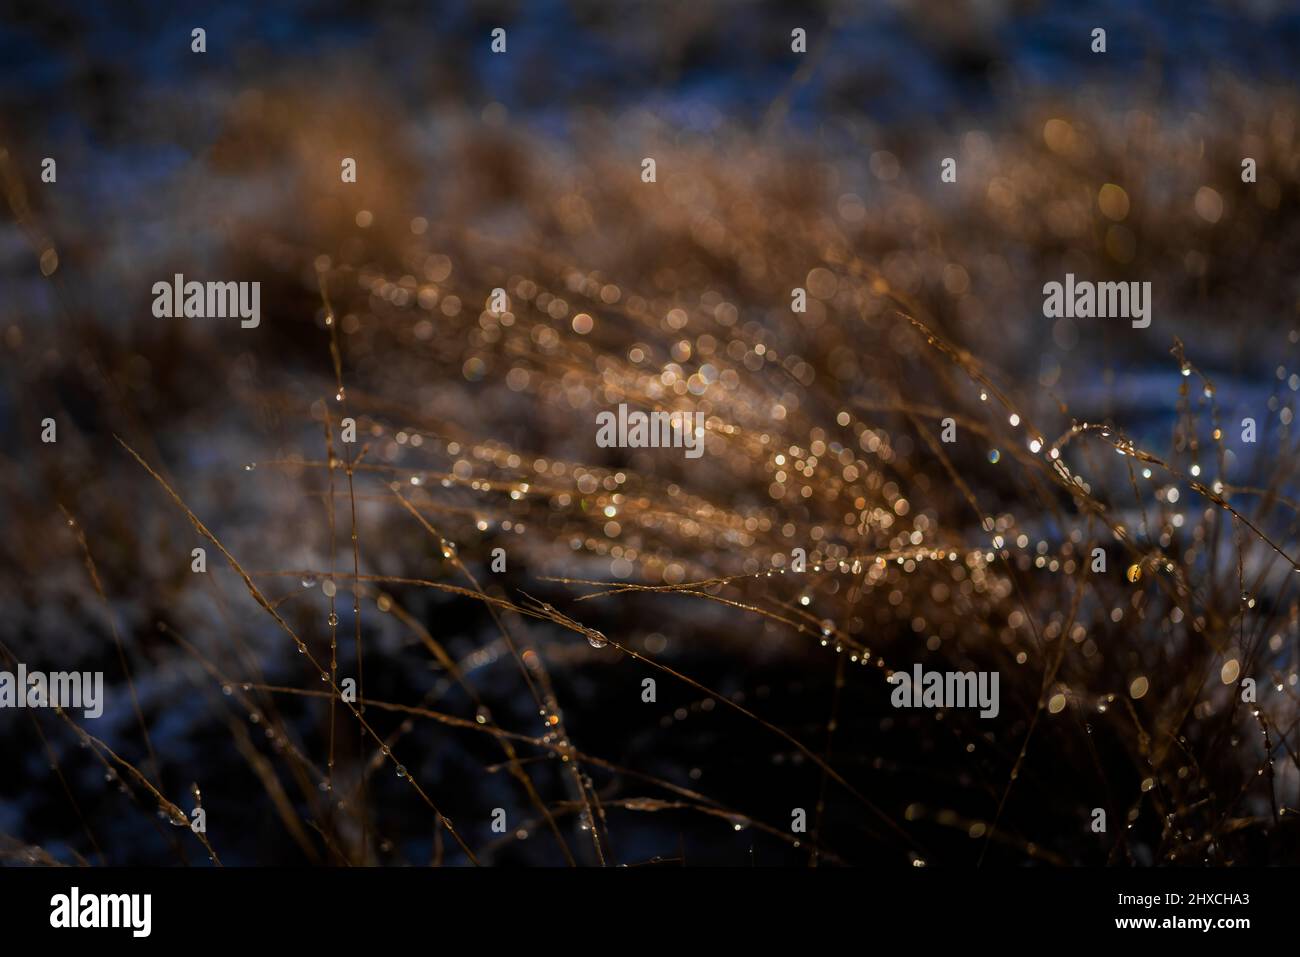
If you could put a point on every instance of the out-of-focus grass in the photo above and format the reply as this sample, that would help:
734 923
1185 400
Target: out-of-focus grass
522 690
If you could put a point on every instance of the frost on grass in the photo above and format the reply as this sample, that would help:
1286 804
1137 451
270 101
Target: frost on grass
351 680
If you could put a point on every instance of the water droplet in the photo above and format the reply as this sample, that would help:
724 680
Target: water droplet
994 456
333 619
401 771
308 581
482 715
250 466
596 639
338 396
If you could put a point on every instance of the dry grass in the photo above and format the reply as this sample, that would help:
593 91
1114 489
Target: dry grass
476 432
